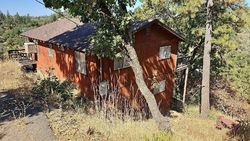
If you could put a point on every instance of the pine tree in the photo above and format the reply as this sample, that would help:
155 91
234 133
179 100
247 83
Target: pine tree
205 92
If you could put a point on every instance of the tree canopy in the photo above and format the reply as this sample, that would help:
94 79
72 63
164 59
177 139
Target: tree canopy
111 19
230 19
112 38
12 26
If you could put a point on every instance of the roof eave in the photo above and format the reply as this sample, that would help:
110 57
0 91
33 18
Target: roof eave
163 26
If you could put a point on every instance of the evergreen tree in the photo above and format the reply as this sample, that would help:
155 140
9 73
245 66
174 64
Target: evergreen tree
230 17
12 26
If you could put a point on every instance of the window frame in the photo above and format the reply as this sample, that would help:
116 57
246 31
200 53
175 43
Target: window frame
103 85
163 48
80 65
158 88
124 63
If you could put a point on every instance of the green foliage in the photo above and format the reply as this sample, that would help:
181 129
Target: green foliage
195 96
228 56
111 19
242 131
52 91
12 26
237 70
1 51
188 17
82 102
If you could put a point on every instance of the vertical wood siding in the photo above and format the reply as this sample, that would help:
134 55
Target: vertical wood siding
147 44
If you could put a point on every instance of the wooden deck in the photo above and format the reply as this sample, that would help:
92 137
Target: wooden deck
26 62
23 58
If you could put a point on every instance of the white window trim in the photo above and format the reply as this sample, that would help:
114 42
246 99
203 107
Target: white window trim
123 61
80 63
159 87
163 48
103 88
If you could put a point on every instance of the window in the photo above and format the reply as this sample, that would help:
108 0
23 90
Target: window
121 63
50 50
80 62
103 88
159 87
165 52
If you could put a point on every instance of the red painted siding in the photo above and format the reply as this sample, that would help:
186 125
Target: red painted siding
147 44
63 64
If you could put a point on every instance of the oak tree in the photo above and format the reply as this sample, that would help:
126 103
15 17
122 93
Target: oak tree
112 20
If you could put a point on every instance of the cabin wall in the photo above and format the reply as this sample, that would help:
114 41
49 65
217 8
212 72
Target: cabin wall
147 48
63 66
147 45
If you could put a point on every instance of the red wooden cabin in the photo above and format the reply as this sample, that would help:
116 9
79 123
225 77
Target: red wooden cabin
62 44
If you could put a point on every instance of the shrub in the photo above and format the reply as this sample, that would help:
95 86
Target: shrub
52 92
82 103
241 131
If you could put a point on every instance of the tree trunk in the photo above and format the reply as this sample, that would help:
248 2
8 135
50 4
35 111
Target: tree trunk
163 122
205 104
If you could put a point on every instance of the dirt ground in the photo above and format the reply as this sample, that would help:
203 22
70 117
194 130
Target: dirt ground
34 128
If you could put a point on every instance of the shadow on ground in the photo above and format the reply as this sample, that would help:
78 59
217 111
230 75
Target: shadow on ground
15 105
21 119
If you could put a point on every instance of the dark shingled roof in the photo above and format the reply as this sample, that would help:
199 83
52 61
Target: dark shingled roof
77 38
75 34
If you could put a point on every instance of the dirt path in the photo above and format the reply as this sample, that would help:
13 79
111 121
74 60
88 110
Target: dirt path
34 128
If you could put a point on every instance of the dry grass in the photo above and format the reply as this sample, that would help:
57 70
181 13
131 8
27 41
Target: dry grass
11 76
76 126
10 73
80 126
191 127
186 127
196 129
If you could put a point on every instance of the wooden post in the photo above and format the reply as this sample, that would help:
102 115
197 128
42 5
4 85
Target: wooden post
185 86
